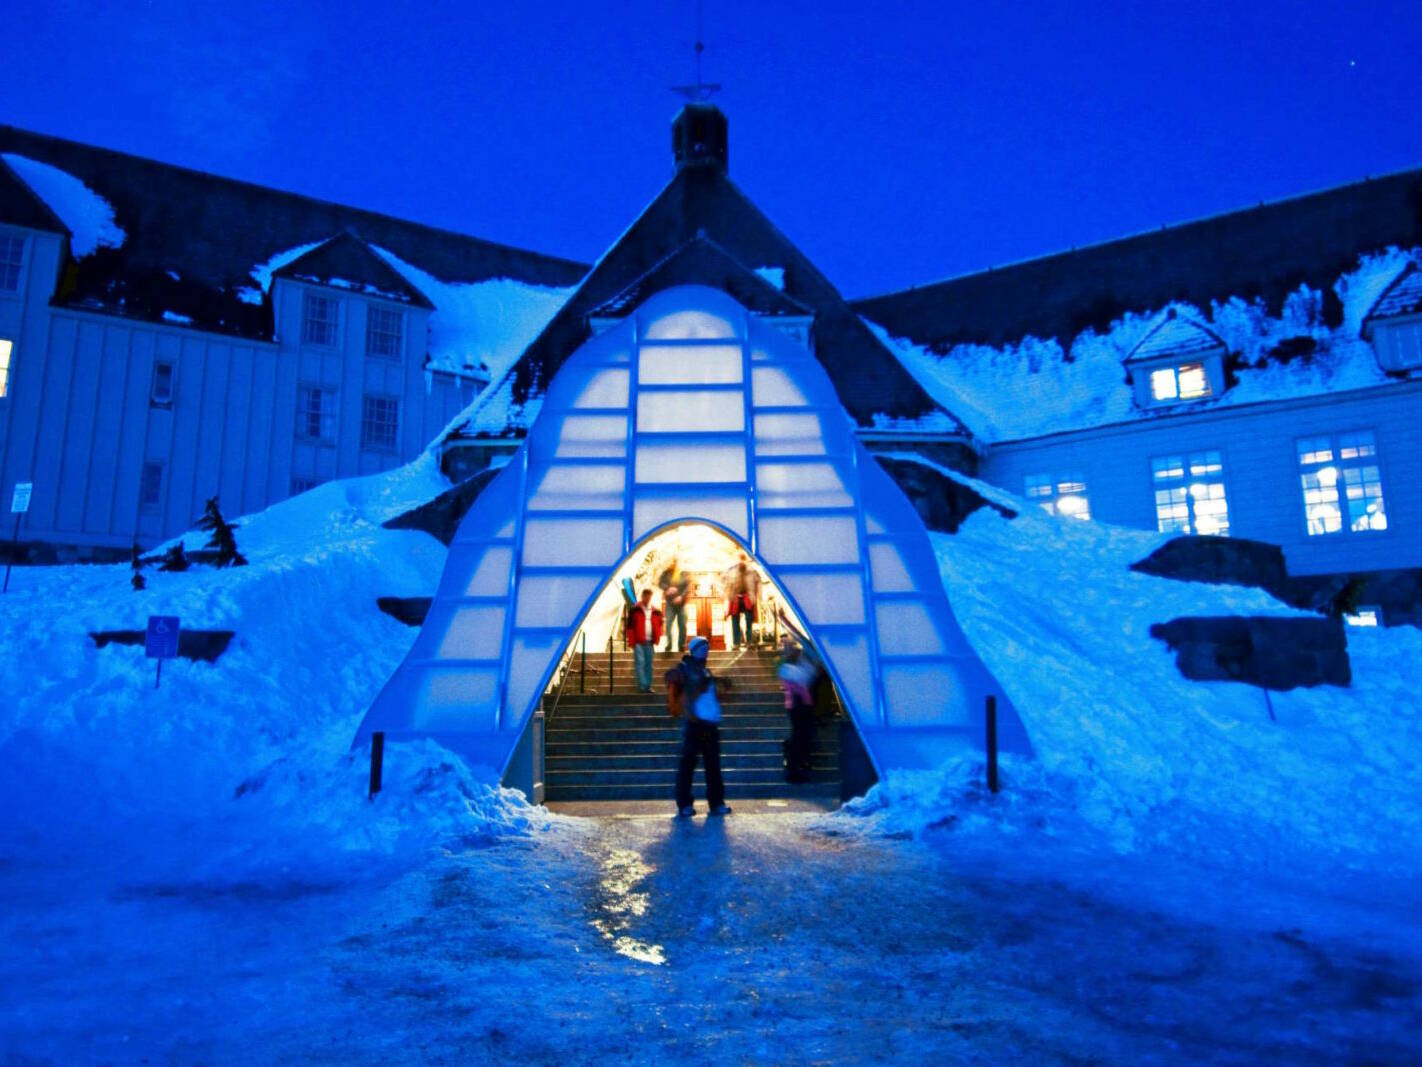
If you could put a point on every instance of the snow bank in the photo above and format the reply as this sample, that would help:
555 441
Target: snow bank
88 216
1130 748
1035 387
242 764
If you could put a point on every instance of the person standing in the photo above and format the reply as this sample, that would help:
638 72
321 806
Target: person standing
644 630
741 585
797 673
675 585
692 697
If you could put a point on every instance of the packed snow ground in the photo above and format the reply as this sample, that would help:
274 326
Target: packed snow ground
193 873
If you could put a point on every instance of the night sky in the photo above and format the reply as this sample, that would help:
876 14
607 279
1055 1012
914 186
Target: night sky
894 148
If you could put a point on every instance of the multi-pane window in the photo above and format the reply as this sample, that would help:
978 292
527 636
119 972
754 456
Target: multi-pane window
318 319
1064 494
1190 494
301 485
316 413
7 347
1185 382
383 332
12 258
379 423
1342 489
161 391
150 485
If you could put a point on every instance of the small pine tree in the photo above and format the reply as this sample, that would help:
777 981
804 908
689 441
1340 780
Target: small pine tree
175 559
223 537
136 565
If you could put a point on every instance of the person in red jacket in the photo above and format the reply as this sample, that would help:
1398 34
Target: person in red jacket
644 630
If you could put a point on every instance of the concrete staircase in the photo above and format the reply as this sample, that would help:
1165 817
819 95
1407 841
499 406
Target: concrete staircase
622 745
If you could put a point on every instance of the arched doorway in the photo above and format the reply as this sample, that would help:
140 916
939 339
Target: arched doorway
691 409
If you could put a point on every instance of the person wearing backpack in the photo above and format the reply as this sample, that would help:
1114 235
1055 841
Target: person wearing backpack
644 630
692 697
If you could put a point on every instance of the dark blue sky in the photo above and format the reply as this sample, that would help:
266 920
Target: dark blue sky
894 148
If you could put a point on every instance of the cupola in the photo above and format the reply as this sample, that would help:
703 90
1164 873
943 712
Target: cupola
699 136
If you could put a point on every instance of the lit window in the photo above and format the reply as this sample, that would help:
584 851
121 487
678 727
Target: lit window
161 392
1062 495
12 258
1185 382
379 423
1362 617
6 348
383 332
318 320
316 413
1190 494
1343 492
150 486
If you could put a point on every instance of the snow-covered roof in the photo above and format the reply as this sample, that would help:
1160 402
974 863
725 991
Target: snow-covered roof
1175 335
87 215
1402 297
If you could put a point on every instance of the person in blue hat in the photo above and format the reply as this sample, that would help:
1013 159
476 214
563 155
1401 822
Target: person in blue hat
692 697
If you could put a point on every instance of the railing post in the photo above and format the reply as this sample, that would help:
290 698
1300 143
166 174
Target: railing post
377 760
992 744
583 670
610 638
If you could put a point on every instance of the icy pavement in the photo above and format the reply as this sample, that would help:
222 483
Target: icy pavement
754 939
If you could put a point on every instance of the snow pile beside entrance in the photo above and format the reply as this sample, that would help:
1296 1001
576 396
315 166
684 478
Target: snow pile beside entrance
241 764
1137 751
89 217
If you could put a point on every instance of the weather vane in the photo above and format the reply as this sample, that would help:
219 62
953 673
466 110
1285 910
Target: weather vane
702 90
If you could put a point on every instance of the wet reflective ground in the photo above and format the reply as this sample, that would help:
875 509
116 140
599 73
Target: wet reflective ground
755 939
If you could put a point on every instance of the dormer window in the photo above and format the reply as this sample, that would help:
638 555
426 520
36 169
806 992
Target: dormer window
1394 325
1177 361
318 320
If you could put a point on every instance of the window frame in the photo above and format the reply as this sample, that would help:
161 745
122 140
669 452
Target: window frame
7 366
372 311
303 414
308 298
1186 463
1177 372
366 444
1309 447
17 289
154 400
1058 487
156 503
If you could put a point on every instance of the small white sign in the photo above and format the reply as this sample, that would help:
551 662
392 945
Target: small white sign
20 502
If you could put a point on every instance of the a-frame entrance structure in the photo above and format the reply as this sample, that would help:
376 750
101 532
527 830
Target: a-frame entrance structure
691 408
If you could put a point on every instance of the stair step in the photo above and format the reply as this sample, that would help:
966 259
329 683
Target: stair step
748 791
730 747
739 780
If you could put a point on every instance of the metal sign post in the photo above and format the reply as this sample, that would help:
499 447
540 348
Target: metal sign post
19 504
161 641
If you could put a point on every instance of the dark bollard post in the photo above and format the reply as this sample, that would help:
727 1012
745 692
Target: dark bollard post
992 743
377 760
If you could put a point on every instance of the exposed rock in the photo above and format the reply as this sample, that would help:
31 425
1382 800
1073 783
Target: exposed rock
442 515
940 501
1275 653
1220 561
411 610
205 645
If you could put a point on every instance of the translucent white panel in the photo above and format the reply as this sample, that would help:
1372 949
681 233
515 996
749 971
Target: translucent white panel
604 389
689 326
906 628
789 435
850 658
691 411
888 570
807 540
800 485
531 659
697 365
553 600
649 513
826 599
579 488
926 694
592 436
507 529
572 542
466 632
691 462
476 572
871 524
772 387
455 698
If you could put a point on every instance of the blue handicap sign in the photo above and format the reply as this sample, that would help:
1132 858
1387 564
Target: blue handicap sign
162 638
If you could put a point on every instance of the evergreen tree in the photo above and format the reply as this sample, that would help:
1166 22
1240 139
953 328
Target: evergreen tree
175 559
223 538
136 564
